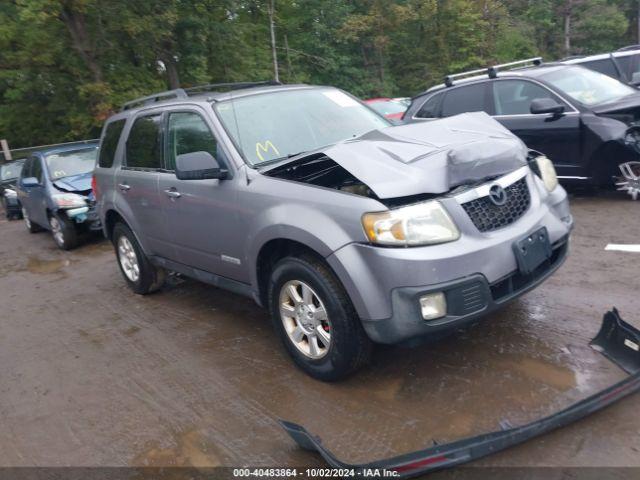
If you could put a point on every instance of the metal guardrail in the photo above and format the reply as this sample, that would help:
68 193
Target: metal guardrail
17 153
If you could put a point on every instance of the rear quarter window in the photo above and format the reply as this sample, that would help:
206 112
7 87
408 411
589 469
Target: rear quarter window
110 143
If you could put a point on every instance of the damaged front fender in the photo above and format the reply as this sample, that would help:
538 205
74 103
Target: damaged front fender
617 340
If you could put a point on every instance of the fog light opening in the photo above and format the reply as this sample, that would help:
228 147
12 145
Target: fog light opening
433 306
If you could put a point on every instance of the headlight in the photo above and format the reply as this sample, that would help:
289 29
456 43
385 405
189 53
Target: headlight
68 200
547 173
10 193
422 224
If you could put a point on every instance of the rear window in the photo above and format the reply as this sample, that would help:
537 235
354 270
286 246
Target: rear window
605 66
431 107
144 145
110 143
465 99
10 171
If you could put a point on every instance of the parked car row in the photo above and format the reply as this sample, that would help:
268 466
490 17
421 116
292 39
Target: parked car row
350 229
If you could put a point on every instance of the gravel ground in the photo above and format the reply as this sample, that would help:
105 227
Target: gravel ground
93 375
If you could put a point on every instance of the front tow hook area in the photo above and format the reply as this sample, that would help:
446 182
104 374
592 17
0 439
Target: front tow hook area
617 340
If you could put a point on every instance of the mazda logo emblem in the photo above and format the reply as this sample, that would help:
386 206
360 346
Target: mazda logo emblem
498 195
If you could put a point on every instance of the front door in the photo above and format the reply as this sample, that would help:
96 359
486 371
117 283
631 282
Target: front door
201 215
557 136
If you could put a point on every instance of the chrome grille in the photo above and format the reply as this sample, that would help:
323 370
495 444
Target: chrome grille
487 216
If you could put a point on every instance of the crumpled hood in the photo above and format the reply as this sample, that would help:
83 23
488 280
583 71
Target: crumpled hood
76 183
430 157
630 102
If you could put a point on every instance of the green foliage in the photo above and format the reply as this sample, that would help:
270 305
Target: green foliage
66 65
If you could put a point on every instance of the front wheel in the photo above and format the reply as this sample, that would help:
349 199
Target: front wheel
315 319
63 231
140 274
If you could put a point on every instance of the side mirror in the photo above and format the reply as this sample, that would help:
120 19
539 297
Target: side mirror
199 166
29 182
635 79
545 105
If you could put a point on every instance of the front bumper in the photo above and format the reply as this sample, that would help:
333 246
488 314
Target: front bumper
385 283
468 299
617 340
87 216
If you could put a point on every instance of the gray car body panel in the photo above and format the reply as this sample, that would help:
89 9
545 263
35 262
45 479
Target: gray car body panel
238 216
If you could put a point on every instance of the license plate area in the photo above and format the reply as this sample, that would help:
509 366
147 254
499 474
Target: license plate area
532 251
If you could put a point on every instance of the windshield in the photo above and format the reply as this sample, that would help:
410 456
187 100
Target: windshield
10 171
388 107
69 164
275 125
586 86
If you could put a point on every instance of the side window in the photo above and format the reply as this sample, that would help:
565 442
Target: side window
36 169
26 170
514 97
431 108
605 66
187 133
471 98
144 145
110 143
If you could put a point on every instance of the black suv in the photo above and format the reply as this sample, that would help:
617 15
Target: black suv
587 123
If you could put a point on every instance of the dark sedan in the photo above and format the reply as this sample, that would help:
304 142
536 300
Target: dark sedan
9 173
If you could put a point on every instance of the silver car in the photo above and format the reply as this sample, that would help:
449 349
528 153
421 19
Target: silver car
349 230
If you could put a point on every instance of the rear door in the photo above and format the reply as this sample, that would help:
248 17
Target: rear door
557 136
202 215
137 194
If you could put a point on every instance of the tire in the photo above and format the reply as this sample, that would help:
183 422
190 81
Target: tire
348 348
140 274
3 202
63 231
32 227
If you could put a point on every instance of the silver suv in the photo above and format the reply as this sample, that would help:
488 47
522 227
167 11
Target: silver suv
349 230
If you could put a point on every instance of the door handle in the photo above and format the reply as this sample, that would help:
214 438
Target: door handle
173 193
124 187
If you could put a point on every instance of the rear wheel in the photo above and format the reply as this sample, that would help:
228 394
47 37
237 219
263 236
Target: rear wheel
315 319
32 227
140 274
6 210
63 231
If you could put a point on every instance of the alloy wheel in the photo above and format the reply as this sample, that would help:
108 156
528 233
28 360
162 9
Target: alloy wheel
56 231
305 319
128 259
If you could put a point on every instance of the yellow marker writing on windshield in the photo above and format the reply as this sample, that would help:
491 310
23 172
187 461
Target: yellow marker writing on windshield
264 148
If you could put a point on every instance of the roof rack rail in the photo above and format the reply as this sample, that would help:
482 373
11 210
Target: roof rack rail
492 72
628 47
185 92
229 85
156 97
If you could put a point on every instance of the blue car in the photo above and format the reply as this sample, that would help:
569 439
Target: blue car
55 191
